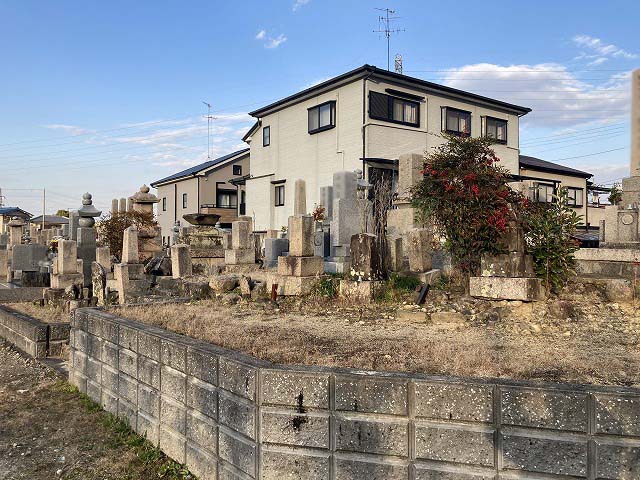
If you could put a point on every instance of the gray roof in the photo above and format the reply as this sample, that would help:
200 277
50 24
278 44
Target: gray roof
50 219
189 172
534 163
400 79
17 211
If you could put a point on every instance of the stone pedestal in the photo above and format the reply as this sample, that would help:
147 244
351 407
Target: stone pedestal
274 248
68 268
359 291
420 249
242 250
508 276
300 270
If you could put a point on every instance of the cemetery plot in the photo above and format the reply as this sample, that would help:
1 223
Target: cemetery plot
579 338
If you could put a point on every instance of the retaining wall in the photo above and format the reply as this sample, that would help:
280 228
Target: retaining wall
230 416
20 294
32 336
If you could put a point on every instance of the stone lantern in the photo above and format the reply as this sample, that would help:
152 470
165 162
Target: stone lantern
15 225
150 241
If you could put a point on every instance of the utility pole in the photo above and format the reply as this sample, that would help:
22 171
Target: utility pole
44 205
384 22
209 118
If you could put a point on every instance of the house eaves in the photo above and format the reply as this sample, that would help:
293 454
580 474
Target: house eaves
539 165
373 72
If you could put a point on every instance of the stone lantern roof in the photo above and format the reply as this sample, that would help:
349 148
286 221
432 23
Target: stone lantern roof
143 196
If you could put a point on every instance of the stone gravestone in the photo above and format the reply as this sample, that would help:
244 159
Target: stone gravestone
242 251
274 248
300 270
300 198
86 235
68 269
419 249
181 265
345 220
15 230
130 252
73 224
365 260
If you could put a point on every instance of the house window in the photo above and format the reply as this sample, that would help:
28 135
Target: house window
279 195
575 197
184 200
543 192
227 199
237 169
496 129
456 121
393 109
322 117
164 204
266 136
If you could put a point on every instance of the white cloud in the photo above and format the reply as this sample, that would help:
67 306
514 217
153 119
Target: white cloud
598 51
299 3
269 41
557 96
70 129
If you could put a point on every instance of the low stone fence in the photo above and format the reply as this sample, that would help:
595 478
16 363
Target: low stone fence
230 416
32 336
20 294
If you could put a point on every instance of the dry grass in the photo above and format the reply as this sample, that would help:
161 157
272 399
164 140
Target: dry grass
599 345
48 313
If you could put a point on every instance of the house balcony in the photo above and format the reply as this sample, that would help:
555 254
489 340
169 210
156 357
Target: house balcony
227 214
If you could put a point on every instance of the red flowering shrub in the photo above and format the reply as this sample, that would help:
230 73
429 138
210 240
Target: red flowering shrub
466 195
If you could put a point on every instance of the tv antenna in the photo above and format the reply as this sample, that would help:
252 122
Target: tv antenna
209 118
385 24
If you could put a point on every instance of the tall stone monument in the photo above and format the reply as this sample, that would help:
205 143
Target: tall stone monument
345 220
86 236
149 237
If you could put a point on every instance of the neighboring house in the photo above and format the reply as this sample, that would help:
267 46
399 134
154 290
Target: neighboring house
50 221
364 119
541 179
205 188
7 213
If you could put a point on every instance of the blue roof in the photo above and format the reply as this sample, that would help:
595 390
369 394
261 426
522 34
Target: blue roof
14 211
198 168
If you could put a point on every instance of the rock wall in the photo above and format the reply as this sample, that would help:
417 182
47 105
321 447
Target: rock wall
36 338
227 415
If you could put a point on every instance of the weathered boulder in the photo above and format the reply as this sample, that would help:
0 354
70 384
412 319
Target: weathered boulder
224 283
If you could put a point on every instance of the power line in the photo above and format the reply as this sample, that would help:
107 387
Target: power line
571 133
568 145
589 154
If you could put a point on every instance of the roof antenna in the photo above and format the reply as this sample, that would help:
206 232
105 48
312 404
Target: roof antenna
209 118
384 22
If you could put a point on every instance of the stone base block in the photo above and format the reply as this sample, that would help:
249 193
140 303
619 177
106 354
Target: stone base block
507 265
429 278
295 286
361 292
337 266
300 266
240 256
504 288
64 280
135 271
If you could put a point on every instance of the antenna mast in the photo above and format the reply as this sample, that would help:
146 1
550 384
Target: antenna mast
385 27
209 118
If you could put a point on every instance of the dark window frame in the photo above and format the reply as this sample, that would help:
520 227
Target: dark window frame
390 103
184 201
164 204
279 198
332 124
266 139
575 189
445 113
495 119
546 186
237 169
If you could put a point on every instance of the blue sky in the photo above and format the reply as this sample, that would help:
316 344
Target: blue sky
106 96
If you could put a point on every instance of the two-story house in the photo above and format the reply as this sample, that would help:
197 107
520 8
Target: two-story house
210 187
364 119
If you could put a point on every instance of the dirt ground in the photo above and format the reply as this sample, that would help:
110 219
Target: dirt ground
48 313
49 431
577 338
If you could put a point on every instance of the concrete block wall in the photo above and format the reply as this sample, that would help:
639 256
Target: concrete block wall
32 336
227 415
